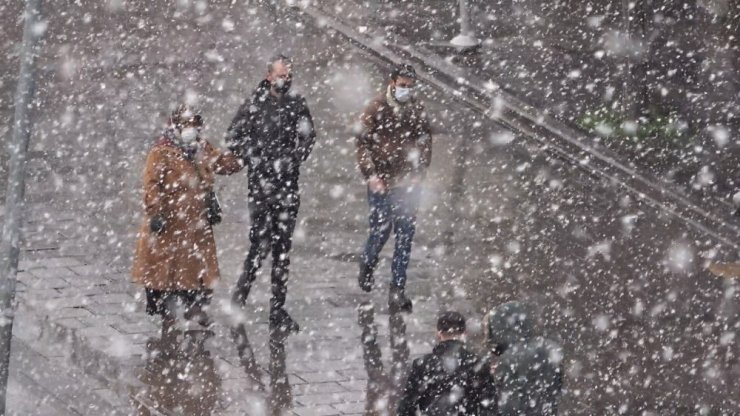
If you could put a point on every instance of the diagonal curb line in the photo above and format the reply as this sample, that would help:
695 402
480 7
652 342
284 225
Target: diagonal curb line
536 125
112 373
117 375
63 391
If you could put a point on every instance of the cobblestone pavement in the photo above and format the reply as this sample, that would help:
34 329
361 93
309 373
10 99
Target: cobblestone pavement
500 220
74 274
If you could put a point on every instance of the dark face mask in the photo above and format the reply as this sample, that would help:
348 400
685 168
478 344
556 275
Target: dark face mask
282 86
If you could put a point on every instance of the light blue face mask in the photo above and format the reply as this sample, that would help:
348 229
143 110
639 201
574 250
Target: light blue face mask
402 94
189 135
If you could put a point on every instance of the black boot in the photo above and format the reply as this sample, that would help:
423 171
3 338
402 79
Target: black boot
281 321
365 278
169 333
397 300
197 314
239 297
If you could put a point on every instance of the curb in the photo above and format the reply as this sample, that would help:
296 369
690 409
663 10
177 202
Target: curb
113 374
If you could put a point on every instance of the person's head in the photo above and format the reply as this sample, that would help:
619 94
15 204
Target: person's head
280 74
508 324
403 80
187 123
450 325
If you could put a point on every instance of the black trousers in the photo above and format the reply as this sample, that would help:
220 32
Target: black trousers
162 302
273 223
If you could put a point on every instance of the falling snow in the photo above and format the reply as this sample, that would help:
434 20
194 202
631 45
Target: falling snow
563 175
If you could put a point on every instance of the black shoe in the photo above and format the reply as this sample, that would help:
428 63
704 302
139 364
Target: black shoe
281 321
365 278
198 315
366 314
397 301
239 298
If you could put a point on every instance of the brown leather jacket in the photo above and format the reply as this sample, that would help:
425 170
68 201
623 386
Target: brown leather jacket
396 140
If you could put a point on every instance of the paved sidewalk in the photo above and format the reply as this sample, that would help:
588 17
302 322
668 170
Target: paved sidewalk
45 382
99 324
501 220
74 275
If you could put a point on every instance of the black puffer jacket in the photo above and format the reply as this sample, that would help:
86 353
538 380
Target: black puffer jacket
273 136
447 382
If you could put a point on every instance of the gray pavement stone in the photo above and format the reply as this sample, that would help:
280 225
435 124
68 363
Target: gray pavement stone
100 331
114 298
50 282
354 385
319 388
108 320
311 400
60 303
37 296
320 410
109 308
143 327
87 281
323 376
70 323
94 290
296 379
350 408
92 270
73 312
228 370
355 374
45 273
48 262
336 365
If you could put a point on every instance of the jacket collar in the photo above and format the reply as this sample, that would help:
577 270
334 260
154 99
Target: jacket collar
262 92
447 346
395 105
169 139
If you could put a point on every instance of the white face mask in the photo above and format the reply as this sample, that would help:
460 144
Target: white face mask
402 94
188 135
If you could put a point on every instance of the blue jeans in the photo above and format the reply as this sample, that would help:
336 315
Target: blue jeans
393 210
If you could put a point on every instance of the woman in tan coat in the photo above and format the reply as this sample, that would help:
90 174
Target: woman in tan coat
176 252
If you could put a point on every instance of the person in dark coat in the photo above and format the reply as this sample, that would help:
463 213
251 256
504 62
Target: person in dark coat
448 381
527 370
394 151
273 133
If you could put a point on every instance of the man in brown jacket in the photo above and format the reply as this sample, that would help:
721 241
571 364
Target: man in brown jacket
393 152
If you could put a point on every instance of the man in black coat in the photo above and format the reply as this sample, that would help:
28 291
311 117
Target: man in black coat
448 381
273 133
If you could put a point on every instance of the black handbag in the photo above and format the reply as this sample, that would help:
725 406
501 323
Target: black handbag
213 207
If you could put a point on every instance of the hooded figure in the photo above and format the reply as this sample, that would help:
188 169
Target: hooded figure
527 374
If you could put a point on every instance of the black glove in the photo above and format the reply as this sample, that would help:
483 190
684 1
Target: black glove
157 223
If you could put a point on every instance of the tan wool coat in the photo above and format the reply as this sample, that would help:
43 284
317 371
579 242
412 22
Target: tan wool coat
183 255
